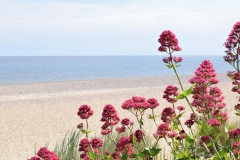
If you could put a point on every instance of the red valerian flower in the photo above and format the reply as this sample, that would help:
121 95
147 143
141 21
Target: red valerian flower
140 103
80 126
162 130
177 59
234 133
109 117
115 155
172 134
153 103
121 129
236 147
205 97
35 158
84 111
214 122
125 121
96 143
170 94
204 139
44 153
168 40
138 134
84 145
180 108
168 114
232 46
189 123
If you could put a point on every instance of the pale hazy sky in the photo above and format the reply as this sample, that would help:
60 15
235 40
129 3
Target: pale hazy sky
113 27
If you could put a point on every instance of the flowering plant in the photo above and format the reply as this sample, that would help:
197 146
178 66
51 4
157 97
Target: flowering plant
204 135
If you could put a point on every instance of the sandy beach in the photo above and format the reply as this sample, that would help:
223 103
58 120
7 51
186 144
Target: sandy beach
33 114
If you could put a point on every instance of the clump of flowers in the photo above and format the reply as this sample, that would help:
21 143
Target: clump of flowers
110 118
168 114
85 146
205 98
170 94
169 44
84 112
168 41
45 154
140 103
232 46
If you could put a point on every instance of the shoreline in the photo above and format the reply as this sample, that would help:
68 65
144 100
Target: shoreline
98 79
97 84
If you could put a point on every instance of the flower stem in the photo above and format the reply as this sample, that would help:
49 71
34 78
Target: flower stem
87 128
154 117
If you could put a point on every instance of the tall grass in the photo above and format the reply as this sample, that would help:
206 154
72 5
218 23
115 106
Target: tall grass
67 149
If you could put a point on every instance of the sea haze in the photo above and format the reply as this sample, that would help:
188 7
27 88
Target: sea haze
50 69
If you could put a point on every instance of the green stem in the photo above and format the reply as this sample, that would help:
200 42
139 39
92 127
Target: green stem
87 128
215 149
154 117
180 83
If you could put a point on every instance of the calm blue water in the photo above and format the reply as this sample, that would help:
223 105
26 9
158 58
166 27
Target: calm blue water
47 69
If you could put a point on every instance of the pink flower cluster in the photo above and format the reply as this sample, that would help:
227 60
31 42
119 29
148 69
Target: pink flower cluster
170 94
124 143
45 154
85 145
171 59
84 112
162 130
206 99
110 118
236 148
234 133
232 45
140 103
168 114
204 139
213 122
168 40
125 122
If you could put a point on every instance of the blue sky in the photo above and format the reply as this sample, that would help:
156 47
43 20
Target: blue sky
108 27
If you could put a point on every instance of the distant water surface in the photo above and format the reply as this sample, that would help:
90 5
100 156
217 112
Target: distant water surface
49 69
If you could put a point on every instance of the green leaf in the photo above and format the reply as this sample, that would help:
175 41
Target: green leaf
180 155
238 114
185 93
189 91
226 129
93 155
154 151
171 66
180 96
134 139
227 157
125 155
205 129
189 139
107 157
180 115
152 117
143 153
86 131
141 122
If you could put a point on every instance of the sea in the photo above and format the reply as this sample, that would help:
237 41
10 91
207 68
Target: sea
17 70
